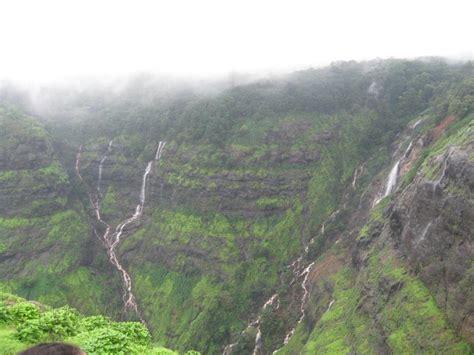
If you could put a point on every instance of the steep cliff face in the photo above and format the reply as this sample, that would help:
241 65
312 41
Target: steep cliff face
46 247
433 222
309 214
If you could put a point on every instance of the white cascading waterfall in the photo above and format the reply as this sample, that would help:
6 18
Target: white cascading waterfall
258 337
408 150
304 300
144 180
417 123
159 150
129 298
111 240
329 306
393 175
392 179
390 184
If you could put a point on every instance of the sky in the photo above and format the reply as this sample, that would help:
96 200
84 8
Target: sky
51 40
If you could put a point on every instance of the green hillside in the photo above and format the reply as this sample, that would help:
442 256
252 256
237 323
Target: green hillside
266 193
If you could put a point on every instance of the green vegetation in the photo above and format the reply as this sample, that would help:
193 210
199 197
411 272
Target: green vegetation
375 220
58 279
456 134
109 202
342 329
411 319
193 297
24 323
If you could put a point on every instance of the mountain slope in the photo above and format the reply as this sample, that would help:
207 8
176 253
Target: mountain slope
402 283
257 224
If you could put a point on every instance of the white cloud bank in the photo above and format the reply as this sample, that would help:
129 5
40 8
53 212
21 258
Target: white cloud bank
54 39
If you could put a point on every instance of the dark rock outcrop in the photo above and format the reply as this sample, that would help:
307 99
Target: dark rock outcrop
433 223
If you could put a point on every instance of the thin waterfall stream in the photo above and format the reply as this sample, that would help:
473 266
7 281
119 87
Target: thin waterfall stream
111 240
392 178
300 272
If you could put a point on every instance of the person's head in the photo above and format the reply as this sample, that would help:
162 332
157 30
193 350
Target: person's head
53 349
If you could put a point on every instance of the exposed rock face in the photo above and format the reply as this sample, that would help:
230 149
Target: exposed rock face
433 223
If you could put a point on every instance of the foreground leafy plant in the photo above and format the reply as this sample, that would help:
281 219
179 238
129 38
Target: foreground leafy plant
24 323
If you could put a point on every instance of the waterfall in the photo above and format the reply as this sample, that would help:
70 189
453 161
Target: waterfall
417 123
295 267
159 150
402 156
330 305
228 349
112 240
143 189
258 341
408 150
304 300
357 172
392 179
256 323
423 234
258 337
129 298
393 175
270 302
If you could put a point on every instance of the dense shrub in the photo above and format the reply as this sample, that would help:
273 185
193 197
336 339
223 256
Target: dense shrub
24 323
52 325
23 311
